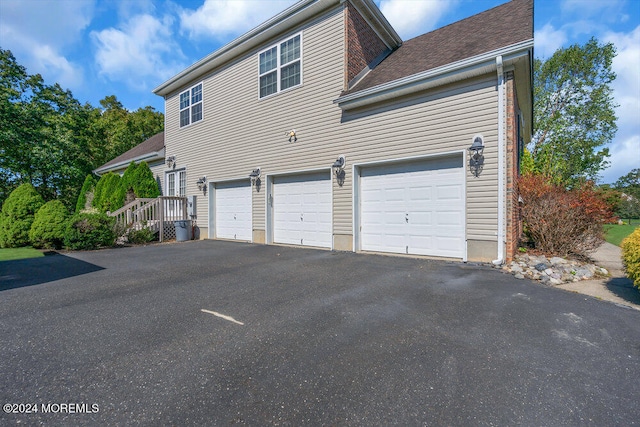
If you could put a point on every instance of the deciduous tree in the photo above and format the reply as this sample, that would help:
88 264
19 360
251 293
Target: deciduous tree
574 116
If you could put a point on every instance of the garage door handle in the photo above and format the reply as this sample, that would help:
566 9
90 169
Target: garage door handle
406 217
301 217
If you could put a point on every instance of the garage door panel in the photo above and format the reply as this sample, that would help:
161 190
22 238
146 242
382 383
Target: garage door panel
302 210
233 211
449 218
419 207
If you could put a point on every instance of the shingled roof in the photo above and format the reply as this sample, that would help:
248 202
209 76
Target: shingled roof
504 25
150 148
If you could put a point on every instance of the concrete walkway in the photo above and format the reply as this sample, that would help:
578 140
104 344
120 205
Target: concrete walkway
617 288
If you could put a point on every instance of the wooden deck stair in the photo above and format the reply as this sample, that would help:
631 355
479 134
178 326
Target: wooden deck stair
158 215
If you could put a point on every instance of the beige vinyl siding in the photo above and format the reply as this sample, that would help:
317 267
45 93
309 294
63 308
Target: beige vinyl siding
157 168
240 132
434 123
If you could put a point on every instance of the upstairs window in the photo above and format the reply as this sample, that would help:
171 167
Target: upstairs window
280 67
191 105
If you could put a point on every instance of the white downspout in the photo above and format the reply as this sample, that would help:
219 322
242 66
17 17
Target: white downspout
501 155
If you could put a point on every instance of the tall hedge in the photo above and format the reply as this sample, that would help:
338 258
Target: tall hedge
631 256
88 187
49 225
18 212
145 185
105 198
125 184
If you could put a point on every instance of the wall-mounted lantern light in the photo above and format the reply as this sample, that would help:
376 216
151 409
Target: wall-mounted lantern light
255 178
202 183
338 169
476 157
292 135
170 161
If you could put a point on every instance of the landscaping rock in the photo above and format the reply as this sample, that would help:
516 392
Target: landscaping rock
554 271
541 266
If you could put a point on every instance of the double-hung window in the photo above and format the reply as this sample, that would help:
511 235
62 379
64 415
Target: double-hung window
280 67
191 105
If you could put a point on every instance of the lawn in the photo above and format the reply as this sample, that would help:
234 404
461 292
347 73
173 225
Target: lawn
19 253
615 233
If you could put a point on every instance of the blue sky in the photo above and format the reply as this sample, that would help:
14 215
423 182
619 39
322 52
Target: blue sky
126 48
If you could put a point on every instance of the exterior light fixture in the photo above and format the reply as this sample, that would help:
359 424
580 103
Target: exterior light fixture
292 135
170 161
255 176
476 157
201 183
338 169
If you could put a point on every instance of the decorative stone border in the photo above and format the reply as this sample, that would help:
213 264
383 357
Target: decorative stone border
554 271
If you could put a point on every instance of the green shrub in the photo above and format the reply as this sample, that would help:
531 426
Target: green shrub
631 256
49 225
106 197
137 182
17 215
88 189
90 231
125 185
145 185
141 236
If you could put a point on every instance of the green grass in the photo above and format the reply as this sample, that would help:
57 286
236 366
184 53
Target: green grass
19 253
615 234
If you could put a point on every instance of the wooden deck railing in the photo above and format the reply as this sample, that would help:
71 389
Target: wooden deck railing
154 214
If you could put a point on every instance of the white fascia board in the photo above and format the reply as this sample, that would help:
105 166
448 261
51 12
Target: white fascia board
283 21
156 155
371 13
456 71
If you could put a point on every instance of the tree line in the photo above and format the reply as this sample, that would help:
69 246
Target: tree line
52 141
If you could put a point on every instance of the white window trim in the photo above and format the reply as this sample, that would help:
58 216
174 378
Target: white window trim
180 110
176 173
279 66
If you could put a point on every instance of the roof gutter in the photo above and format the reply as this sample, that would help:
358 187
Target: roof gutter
466 68
155 155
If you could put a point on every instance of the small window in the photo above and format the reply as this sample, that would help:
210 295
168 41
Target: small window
191 105
280 67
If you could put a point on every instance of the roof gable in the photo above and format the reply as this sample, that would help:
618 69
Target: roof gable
148 148
504 25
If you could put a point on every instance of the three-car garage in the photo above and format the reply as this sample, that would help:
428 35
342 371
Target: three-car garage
415 207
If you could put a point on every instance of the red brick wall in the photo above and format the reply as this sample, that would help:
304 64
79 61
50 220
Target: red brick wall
363 44
514 219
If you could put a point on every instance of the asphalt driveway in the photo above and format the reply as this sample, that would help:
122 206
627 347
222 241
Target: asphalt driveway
221 333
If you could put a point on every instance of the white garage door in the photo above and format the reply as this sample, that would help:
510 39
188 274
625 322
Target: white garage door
414 208
233 211
302 210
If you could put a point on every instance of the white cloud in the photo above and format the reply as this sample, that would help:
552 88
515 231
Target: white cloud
142 53
39 32
625 150
626 86
602 11
411 18
624 157
548 40
56 23
225 18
